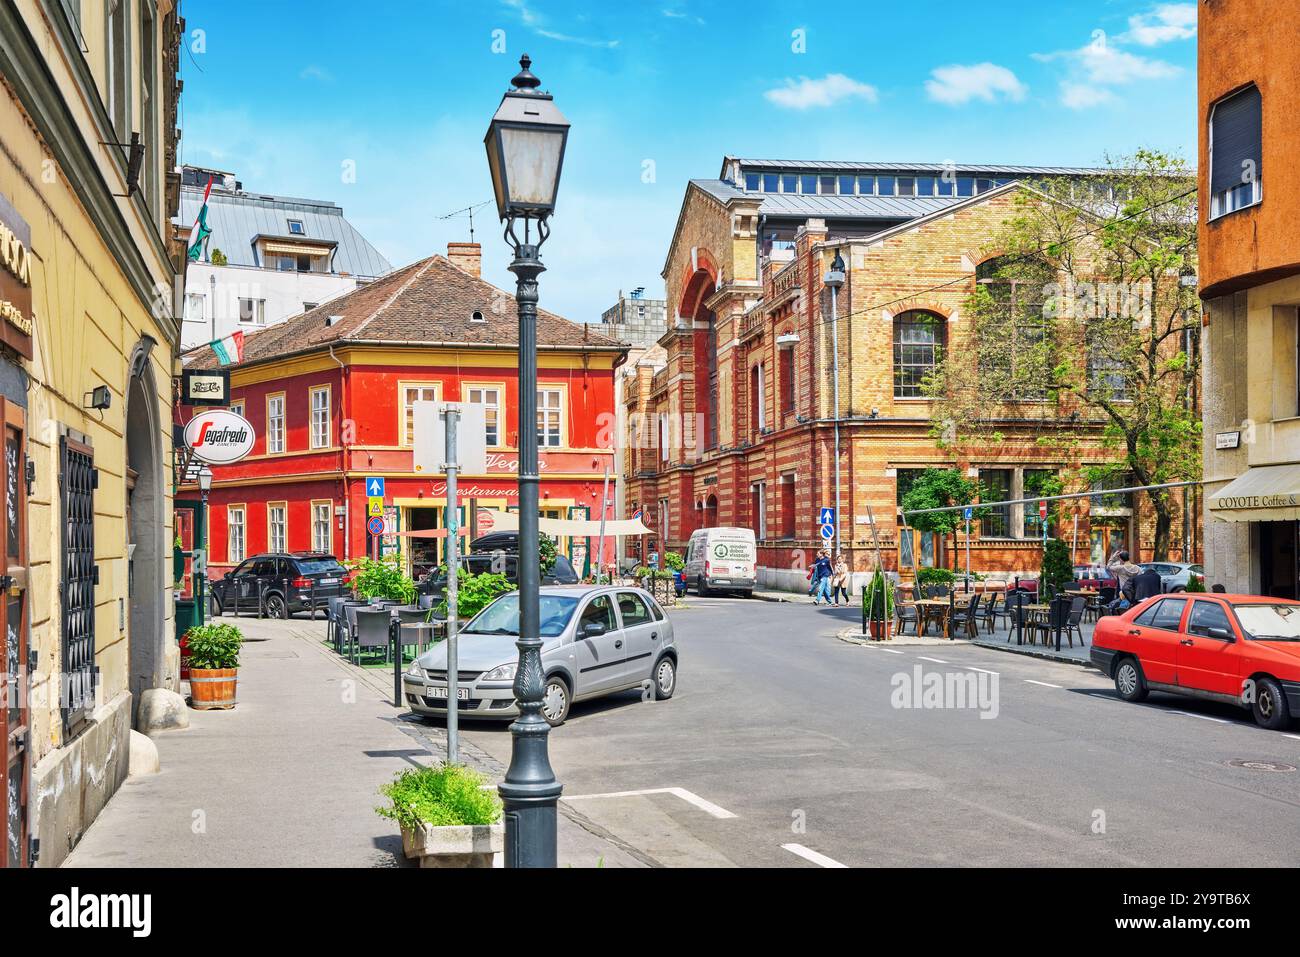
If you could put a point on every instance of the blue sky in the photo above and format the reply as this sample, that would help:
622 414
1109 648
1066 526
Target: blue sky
286 94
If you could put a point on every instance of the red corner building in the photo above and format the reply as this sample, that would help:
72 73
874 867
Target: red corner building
329 394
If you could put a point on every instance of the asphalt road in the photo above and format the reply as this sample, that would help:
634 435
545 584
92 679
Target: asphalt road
787 748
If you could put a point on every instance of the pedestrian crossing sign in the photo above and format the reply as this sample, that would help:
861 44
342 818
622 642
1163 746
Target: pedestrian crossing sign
375 507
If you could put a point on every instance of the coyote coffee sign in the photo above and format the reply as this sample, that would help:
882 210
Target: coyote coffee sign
205 387
219 437
15 280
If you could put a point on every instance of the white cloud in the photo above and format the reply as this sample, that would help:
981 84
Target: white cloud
537 23
1081 96
805 93
673 13
314 72
1167 22
958 84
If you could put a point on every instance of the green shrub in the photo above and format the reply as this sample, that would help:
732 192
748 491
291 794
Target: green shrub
674 561
546 553
878 598
476 592
1195 582
214 646
382 579
936 576
1057 572
446 794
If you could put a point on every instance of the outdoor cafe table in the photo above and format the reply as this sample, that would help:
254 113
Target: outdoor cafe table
936 609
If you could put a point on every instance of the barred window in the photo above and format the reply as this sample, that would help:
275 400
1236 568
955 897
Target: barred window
918 349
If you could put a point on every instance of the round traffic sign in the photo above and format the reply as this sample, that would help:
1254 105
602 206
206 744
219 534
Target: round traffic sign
828 532
375 526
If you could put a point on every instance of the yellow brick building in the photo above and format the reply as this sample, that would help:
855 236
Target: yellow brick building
737 425
87 143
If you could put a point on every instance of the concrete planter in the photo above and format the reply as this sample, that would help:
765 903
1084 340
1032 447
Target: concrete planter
467 845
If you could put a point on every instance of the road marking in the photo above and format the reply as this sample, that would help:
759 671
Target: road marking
1296 736
1043 683
981 670
808 854
690 797
939 661
891 651
1203 717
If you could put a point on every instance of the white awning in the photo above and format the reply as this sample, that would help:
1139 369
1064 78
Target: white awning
572 527
1266 493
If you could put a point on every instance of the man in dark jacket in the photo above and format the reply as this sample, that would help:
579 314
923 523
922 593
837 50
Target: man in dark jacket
1146 584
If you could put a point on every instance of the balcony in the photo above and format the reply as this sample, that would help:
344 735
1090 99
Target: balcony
659 383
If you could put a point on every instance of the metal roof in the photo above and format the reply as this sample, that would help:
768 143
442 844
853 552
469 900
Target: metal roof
794 166
237 219
834 207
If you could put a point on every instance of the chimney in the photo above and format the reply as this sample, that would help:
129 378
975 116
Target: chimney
466 256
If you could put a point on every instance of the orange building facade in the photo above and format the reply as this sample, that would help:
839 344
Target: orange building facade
1249 81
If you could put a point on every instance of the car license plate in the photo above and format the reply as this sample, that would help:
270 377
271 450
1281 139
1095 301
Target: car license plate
328 581
462 694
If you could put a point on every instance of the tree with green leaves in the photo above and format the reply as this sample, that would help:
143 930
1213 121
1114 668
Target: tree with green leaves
940 488
1085 332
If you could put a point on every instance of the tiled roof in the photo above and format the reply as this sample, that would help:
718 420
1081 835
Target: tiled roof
430 302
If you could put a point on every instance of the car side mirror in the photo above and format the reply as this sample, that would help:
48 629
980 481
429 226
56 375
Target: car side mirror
229 575
1223 634
593 629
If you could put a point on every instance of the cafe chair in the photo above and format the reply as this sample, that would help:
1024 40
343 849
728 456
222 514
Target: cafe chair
964 617
371 633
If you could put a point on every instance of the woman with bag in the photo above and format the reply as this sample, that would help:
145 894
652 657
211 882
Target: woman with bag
840 580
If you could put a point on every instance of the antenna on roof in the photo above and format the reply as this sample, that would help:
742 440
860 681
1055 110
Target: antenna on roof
470 211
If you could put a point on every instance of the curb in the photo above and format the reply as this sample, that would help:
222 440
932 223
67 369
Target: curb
1044 655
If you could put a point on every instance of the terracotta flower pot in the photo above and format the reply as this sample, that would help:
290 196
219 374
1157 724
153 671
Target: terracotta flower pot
881 630
213 688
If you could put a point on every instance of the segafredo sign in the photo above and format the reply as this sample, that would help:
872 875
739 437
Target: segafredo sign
219 436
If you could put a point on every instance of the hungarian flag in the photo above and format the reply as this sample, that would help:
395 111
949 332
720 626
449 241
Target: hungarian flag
200 231
229 350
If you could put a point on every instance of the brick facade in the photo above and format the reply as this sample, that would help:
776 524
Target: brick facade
783 442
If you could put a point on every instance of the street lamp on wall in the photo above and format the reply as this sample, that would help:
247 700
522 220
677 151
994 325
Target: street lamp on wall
525 149
835 280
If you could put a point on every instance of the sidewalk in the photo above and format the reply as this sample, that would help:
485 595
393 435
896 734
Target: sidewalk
290 777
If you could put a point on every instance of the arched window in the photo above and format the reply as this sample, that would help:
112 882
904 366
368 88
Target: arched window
919 339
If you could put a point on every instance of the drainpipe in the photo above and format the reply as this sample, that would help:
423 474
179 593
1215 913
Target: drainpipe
343 456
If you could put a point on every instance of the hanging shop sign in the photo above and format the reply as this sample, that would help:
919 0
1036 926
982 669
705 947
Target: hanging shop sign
205 387
219 436
16 319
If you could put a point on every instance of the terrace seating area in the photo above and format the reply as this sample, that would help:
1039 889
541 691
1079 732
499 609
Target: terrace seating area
370 629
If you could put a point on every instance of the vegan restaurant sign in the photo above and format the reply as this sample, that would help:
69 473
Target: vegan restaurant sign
15 280
219 437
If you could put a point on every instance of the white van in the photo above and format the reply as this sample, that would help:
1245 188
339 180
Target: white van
721 558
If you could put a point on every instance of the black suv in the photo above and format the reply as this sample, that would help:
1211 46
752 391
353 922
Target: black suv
278 582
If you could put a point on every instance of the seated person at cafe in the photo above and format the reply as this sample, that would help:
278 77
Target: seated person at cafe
1146 584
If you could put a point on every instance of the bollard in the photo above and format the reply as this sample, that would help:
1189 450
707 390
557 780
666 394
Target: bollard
285 600
1020 612
311 597
261 599
395 633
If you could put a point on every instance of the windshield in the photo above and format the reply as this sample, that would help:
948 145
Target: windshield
1269 622
502 616
319 566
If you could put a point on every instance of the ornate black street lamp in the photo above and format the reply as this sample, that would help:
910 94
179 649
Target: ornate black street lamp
525 148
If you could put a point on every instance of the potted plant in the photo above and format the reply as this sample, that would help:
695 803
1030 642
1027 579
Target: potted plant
214 665
878 607
447 817
381 579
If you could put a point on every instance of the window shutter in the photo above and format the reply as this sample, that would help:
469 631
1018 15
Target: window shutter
1235 132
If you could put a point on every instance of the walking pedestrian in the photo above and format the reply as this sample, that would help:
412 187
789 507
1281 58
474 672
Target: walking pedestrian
840 581
821 578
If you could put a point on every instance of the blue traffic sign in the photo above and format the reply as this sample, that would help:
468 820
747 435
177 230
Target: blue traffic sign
826 515
375 526
375 486
828 532
968 513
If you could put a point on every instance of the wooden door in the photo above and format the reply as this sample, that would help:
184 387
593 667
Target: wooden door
15 741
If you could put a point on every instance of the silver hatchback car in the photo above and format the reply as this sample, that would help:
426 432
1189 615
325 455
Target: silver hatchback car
596 640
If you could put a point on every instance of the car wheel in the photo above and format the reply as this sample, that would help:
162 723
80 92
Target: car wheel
274 606
555 701
1270 706
1129 680
701 589
214 606
665 679
1177 589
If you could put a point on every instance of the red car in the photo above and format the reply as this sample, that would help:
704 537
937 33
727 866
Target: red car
1240 649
